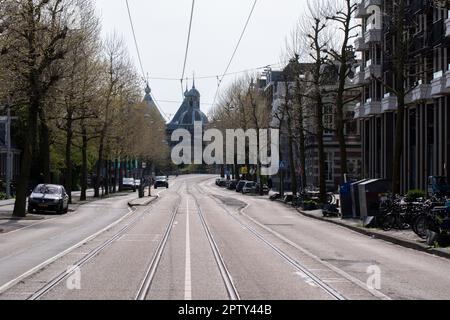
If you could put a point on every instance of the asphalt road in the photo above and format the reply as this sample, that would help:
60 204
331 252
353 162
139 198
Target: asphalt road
200 242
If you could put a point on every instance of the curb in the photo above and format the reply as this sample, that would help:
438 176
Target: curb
145 204
401 242
376 235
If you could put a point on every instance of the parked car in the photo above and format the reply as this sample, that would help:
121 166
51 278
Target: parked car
161 182
241 185
249 187
129 184
49 197
232 185
265 189
222 183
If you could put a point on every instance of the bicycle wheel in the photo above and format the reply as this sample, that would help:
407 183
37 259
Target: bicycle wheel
388 222
420 226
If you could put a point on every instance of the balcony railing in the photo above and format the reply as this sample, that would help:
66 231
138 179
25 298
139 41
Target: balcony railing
359 111
389 103
372 35
360 44
421 93
361 11
447 25
368 3
372 107
372 69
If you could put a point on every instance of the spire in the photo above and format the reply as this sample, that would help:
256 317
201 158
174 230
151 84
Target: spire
193 79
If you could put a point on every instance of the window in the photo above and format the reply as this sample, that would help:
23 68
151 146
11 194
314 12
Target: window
328 120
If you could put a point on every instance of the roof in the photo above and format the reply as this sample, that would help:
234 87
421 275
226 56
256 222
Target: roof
189 111
148 100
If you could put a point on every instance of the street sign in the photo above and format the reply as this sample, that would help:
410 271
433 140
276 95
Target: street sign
144 165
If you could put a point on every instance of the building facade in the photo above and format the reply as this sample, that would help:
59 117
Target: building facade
187 116
427 117
276 92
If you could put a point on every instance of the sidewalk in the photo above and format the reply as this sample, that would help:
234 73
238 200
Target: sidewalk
405 238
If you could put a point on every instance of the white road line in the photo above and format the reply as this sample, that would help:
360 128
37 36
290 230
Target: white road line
15 281
187 277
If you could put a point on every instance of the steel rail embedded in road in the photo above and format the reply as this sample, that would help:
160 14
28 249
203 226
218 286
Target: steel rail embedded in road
153 266
293 262
232 292
65 274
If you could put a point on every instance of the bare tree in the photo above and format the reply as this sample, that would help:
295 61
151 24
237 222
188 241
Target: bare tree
344 57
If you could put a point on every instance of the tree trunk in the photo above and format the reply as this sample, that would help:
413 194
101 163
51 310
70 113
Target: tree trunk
291 157
84 165
68 158
301 142
321 151
44 149
27 158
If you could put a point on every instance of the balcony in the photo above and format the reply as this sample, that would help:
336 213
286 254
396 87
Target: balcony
359 111
372 107
372 70
361 11
389 103
360 44
372 35
421 93
447 25
359 78
447 80
438 85
369 3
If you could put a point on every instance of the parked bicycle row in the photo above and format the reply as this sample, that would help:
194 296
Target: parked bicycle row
428 218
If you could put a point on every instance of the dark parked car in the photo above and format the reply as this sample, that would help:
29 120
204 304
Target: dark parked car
48 197
241 185
161 182
232 185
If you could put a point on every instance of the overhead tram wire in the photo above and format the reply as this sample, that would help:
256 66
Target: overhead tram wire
235 50
187 46
140 60
215 76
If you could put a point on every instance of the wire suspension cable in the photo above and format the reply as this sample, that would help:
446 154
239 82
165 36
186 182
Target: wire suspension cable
187 45
144 77
135 40
235 50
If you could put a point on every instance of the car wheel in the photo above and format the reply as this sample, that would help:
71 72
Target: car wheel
30 209
156 187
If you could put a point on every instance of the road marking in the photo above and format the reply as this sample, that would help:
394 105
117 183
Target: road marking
187 276
32 271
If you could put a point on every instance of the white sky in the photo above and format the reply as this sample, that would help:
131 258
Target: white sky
161 29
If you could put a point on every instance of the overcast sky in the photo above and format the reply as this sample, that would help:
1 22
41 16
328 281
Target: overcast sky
161 30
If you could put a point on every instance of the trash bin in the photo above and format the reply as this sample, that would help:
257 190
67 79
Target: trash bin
345 197
141 191
369 196
354 189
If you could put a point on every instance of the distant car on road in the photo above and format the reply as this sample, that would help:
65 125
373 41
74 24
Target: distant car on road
49 197
129 184
161 182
